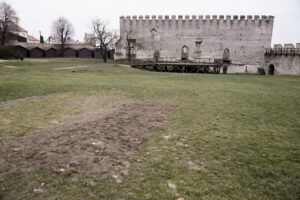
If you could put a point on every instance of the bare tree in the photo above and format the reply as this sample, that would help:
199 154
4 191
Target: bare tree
90 39
62 29
105 38
8 17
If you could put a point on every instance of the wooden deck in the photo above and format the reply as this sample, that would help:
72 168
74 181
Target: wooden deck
202 66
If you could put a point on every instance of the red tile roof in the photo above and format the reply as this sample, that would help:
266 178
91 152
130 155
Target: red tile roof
31 38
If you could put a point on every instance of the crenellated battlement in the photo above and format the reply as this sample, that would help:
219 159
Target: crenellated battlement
287 46
219 18
194 21
286 49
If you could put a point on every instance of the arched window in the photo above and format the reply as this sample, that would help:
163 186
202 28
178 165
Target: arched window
154 33
226 54
184 53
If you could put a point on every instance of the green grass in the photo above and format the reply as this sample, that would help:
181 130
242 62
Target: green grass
243 130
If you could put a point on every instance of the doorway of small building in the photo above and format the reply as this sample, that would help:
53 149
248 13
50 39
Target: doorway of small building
28 54
184 53
271 69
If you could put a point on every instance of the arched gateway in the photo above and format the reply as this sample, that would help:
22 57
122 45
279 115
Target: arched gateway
271 70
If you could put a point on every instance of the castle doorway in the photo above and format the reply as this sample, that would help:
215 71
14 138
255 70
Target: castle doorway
156 55
184 53
271 69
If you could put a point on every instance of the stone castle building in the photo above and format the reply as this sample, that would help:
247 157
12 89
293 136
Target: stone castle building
243 39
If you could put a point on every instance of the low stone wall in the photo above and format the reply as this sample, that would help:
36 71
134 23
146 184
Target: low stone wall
46 46
37 50
283 61
283 65
242 69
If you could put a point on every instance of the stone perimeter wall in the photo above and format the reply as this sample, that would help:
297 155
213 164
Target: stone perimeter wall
245 37
83 50
46 46
285 59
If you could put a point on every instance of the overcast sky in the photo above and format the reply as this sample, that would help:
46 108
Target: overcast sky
38 15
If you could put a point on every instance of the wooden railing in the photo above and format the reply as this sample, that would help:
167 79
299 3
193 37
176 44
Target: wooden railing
174 60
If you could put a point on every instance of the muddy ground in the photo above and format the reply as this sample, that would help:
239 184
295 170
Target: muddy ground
95 144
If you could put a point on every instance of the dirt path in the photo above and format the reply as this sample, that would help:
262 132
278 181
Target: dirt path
75 67
7 66
10 103
94 144
128 66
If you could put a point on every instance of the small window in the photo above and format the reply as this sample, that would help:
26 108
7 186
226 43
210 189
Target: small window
226 54
198 43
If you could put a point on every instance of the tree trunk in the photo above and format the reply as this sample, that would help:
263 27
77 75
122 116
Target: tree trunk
62 46
62 50
105 58
104 55
3 37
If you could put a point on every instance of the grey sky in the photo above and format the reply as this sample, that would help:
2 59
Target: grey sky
38 15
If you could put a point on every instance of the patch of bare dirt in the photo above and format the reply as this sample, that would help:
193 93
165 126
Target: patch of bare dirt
128 66
74 67
94 144
10 103
12 67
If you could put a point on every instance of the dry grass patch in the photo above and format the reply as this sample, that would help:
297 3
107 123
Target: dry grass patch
22 116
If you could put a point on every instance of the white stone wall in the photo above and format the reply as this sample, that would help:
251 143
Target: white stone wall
242 69
246 38
283 64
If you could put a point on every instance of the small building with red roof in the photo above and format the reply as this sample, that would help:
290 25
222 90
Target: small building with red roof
32 39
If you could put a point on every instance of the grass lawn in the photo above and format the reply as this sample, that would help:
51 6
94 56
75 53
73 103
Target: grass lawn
230 136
